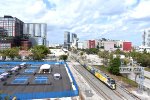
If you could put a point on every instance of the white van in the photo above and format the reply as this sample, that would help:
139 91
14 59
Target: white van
57 76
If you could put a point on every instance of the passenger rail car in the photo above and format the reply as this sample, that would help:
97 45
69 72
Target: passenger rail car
100 75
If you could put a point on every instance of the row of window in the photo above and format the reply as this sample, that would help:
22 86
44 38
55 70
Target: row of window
7 24
6 19
5 45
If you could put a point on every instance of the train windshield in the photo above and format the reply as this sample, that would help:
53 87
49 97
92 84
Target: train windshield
112 82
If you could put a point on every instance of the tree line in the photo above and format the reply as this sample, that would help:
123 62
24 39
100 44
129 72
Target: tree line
113 64
37 53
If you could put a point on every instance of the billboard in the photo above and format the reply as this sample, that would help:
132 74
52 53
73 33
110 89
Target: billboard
131 69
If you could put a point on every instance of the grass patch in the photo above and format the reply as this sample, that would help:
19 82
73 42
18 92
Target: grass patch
102 68
147 69
128 81
119 78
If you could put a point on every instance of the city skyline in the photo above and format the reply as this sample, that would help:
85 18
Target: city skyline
89 19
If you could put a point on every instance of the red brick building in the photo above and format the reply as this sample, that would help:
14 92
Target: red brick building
91 44
127 46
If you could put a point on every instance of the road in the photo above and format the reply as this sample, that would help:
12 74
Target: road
101 89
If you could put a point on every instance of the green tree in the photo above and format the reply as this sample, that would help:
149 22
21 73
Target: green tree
81 53
145 52
126 61
105 55
63 57
97 47
114 66
92 51
119 52
39 52
142 58
3 54
11 52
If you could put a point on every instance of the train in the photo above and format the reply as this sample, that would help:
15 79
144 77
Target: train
110 82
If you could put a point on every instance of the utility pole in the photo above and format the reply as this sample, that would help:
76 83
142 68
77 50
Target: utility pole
141 81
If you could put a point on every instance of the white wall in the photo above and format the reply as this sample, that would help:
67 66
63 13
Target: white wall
80 45
85 45
109 46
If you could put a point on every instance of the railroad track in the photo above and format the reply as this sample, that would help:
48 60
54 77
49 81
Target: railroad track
128 92
98 90
118 93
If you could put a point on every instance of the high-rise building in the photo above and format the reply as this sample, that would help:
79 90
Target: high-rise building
67 40
11 32
14 32
74 42
146 41
74 36
37 33
11 26
146 38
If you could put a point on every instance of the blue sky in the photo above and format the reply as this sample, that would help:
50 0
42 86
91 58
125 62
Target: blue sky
90 19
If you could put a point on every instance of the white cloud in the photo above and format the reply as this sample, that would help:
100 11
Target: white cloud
36 7
130 2
84 17
142 10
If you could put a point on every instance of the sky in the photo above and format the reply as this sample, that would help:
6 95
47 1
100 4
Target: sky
89 19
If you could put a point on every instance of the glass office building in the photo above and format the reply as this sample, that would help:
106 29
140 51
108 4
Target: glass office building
67 40
36 32
11 26
11 32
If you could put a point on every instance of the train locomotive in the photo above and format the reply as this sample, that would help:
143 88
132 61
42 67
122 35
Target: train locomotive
100 75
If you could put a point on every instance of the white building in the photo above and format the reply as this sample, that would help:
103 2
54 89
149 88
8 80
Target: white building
74 42
146 41
80 45
119 44
85 44
146 38
109 45
54 45
142 48
57 52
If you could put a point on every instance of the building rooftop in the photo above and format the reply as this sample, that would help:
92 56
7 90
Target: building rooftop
29 79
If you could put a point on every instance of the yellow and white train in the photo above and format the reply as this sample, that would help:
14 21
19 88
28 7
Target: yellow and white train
110 82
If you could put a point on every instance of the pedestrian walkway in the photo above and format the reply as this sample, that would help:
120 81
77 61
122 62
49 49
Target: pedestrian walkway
146 81
145 95
147 74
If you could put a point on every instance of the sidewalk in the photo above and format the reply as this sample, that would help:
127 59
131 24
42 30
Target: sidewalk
147 74
145 95
146 81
